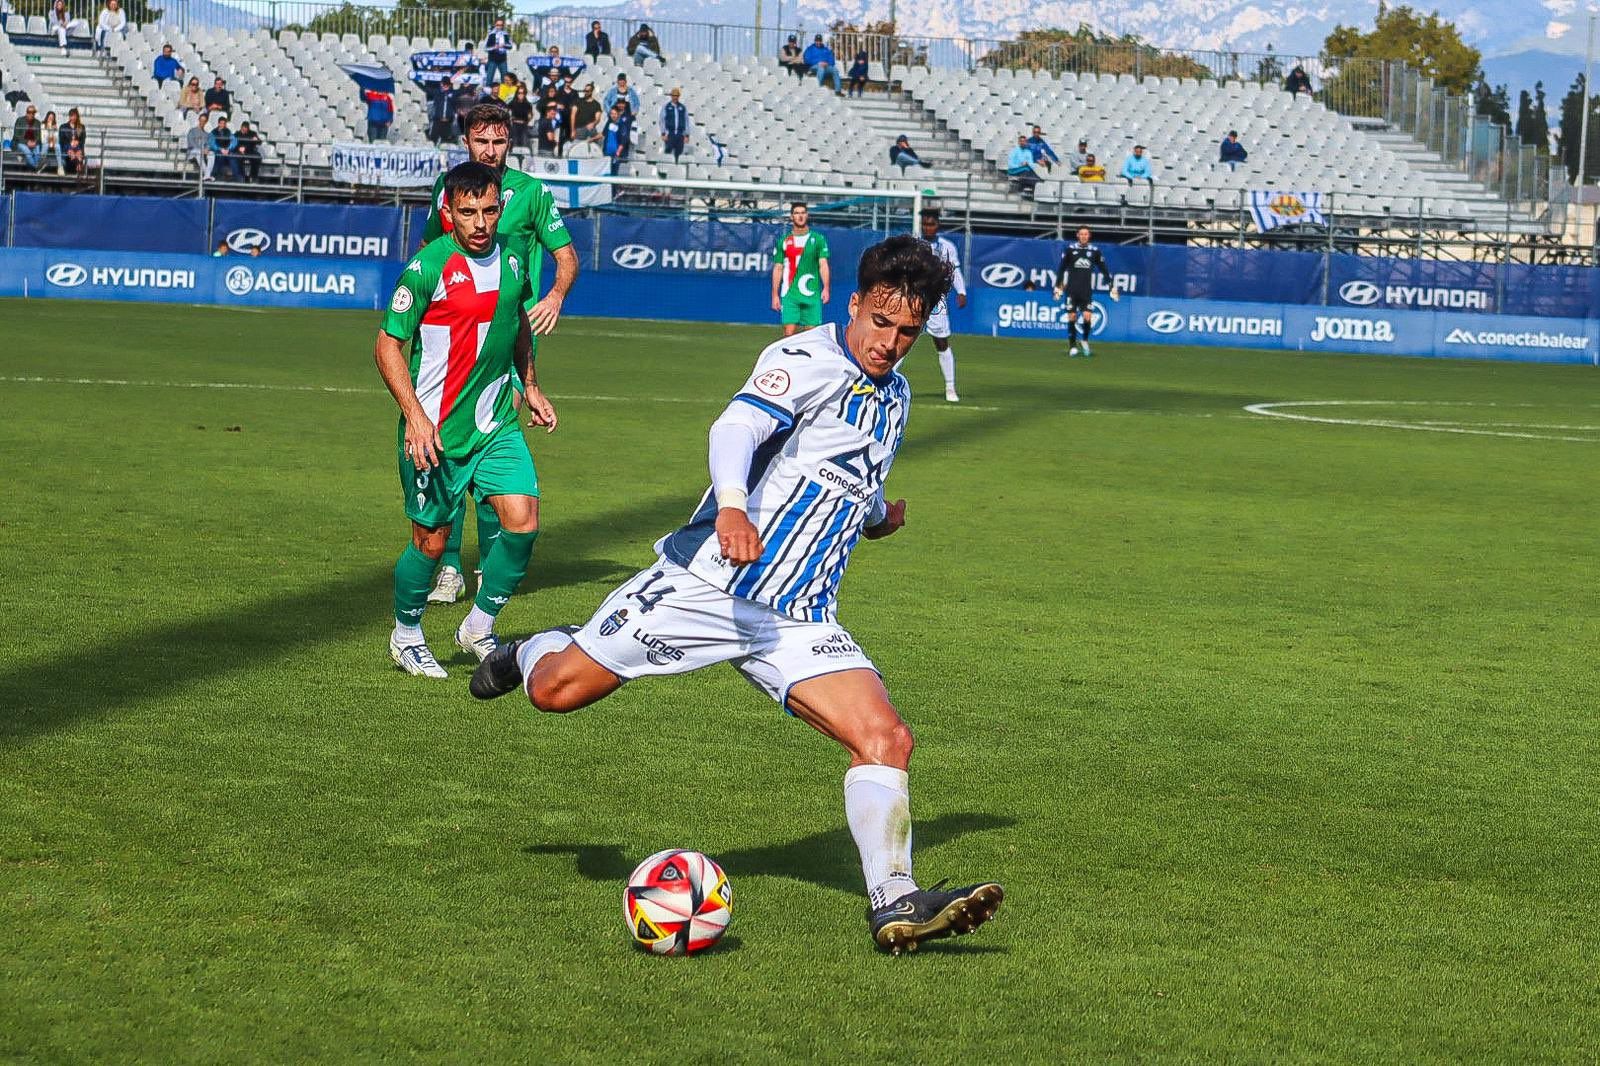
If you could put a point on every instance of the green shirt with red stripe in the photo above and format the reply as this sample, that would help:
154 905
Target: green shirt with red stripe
530 223
461 316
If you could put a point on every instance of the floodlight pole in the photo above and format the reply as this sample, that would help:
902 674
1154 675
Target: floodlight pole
1583 126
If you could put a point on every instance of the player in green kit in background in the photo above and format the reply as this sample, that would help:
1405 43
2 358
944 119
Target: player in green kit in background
459 304
800 273
530 218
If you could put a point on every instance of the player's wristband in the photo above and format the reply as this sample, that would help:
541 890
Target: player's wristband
732 497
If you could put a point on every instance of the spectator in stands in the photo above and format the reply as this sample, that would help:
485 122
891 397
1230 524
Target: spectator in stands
506 89
75 143
819 58
380 113
644 45
1043 154
521 109
218 98
623 94
596 42
1080 157
1232 152
1136 167
1019 167
551 132
675 124
166 66
1298 81
50 141
857 75
224 146
1091 170
903 156
112 20
62 23
585 115
441 109
496 45
565 92
617 137
465 98
197 145
551 75
790 58
221 249
191 99
248 154
27 138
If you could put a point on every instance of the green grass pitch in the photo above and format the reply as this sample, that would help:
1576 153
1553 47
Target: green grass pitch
1282 735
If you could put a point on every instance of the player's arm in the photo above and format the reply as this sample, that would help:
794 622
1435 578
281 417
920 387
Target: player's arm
412 294
433 227
884 518
823 269
735 436
551 232
1105 272
541 412
777 275
957 281
1061 274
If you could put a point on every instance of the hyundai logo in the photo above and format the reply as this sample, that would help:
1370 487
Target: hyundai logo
634 256
239 280
246 239
1360 293
1003 275
1166 321
66 275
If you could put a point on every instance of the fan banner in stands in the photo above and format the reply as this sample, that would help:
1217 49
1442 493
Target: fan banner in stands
462 68
540 64
390 167
576 194
370 76
1278 207
347 230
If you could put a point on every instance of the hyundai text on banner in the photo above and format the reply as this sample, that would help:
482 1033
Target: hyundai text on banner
349 230
395 168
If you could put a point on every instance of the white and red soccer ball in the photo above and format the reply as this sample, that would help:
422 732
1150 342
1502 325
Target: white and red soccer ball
677 903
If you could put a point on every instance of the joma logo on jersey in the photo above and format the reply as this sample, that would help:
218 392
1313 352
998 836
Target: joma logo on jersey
614 622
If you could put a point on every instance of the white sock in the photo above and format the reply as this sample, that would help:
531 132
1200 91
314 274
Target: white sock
947 363
478 621
537 647
405 635
877 804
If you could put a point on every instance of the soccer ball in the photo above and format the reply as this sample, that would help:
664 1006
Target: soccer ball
677 903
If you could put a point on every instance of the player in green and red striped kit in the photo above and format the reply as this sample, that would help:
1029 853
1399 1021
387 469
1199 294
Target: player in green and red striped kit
529 218
459 304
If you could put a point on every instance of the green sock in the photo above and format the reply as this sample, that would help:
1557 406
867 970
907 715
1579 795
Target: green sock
452 547
503 569
488 530
413 577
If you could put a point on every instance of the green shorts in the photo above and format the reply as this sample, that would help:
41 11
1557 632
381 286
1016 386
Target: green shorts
502 467
802 311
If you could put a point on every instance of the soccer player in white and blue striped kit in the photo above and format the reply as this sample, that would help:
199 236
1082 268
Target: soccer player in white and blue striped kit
798 463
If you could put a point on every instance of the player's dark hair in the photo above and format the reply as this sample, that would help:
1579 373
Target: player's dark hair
798 203
908 267
481 116
930 212
473 179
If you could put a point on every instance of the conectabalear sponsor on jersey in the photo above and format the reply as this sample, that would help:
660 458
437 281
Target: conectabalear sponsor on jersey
1523 338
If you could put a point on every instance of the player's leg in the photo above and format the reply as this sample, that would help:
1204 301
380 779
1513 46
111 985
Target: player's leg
504 477
449 584
790 315
938 328
1072 328
432 497
1087 329
822 677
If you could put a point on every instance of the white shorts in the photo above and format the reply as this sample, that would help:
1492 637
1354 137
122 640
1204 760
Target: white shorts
665 620
938 324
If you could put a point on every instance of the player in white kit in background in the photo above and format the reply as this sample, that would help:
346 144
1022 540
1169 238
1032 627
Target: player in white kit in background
938 326
798 462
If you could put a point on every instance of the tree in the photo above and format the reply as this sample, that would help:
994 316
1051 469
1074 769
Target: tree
1492 104
1085 51
1430 45
459 20
1571 131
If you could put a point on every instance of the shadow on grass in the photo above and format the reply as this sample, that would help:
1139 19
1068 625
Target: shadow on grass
88 681
828 858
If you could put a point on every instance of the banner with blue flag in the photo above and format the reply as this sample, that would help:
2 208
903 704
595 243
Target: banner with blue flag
1273 208
461 67
572 195
370 76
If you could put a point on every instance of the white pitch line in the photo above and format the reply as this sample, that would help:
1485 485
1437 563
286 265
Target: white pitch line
1268 410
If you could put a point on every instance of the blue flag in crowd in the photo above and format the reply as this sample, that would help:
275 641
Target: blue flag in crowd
370 76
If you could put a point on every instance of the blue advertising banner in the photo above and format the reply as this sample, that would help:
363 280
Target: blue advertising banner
129 223
711 248
1211 323
1236 274
1410 284
1526 340
1561 291
1349 329
197 279
342 230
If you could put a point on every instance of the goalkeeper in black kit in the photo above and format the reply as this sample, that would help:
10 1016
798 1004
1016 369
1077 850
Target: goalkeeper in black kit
1075 280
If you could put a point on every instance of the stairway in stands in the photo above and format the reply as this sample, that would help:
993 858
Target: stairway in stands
954 162
109 104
